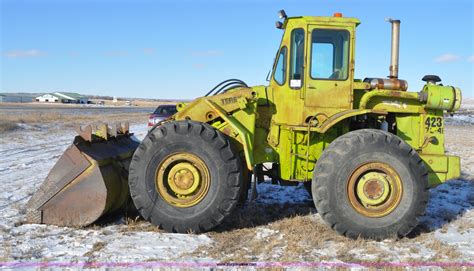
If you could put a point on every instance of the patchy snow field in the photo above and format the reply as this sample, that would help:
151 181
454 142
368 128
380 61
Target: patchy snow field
280 226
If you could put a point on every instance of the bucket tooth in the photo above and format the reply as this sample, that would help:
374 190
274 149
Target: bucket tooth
85 133
113 132
88 181
102 131
123 128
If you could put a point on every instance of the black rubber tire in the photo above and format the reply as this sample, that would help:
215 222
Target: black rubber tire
342 157
210 145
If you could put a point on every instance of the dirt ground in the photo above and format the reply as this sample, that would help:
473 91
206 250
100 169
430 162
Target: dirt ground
281 225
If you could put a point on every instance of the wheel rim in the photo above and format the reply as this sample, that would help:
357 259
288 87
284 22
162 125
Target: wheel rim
374 189
182 179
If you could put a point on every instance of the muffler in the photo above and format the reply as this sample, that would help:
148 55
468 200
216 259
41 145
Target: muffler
392 83
88 181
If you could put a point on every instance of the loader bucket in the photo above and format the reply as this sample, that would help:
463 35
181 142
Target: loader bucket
88 181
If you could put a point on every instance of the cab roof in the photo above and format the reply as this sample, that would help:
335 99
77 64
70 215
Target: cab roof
326 19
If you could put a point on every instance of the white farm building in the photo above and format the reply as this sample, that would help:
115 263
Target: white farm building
62 97
47 98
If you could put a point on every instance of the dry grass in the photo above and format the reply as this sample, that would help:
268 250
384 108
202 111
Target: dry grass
459 141
10 122
138 224
289 239
465 225
7 126
96 247
120 103
443 251
135 103
305 238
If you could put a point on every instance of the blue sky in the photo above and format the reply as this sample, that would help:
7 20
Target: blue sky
181 49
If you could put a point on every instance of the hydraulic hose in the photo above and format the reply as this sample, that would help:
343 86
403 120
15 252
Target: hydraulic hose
222 85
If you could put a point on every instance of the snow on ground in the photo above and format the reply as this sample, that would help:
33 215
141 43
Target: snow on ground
460 119
467 104
24 165
445 232
465 116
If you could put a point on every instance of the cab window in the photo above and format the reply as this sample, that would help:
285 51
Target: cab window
329 54
297 58
280 68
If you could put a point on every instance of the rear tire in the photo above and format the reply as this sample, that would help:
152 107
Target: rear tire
370 183
185 177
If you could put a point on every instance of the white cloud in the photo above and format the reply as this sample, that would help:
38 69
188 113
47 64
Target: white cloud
471 59
24 53
447 58
207 53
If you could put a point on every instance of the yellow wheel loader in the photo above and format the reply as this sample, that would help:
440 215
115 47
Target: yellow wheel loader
368 150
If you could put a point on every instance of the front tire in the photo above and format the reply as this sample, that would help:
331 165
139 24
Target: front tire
185 177
371 184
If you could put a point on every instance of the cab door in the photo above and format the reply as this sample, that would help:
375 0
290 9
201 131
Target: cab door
329 73
287 85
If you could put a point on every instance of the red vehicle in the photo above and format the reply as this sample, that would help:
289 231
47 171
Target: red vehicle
161 113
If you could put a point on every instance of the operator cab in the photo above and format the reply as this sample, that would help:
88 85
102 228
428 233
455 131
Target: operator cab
314 67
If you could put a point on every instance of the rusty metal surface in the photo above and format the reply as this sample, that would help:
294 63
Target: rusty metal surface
69 166
182 180
394 55
85 133
371 206
88 181
390 84
102 131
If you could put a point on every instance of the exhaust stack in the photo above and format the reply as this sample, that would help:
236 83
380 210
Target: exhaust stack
392 83
395 48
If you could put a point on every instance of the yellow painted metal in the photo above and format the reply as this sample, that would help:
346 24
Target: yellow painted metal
441 168
182 179
361 85
231 101
458 99
442 97
454 167
210 109
244 134
330 93
425 133
391 101
271 123
408 129
435 162
374 189
337 118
